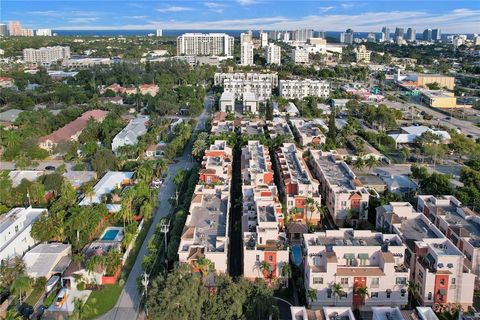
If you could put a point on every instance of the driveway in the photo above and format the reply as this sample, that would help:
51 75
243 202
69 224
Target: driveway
128 304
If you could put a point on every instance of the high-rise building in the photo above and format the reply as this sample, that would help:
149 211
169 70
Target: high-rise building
159 32
321 34
411 34
427 35
263 39
273 54
398 33
44 32
15 28
3 30
27 32
436 35
347 36
46 55
246 54
371 37
385 34
245 37
302 35
205 44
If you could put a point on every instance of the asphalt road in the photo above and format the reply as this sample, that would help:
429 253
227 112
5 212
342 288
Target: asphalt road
40 164
466 127
128 304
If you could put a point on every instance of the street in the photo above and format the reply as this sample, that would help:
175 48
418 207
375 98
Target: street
128 304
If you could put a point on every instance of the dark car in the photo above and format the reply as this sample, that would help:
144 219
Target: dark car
25 310
51 168
39 313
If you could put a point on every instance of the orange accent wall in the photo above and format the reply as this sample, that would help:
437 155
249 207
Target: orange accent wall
439 285
214 153
268 178
265 193
358 282
291 189
272 263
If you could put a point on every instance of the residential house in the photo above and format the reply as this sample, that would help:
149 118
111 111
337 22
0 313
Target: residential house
307 133
129 135
47 259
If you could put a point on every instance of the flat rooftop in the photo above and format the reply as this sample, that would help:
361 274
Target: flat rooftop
348 239
266 213
463 227
295 166
257 162
106 185
335 172
416 229
209 220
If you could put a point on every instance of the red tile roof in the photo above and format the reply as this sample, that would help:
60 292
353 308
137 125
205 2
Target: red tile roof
66 132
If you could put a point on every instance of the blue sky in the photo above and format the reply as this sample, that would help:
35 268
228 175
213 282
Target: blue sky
450 16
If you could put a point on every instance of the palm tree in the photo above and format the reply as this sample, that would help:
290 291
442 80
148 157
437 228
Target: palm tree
145 171
198 148
12 314
311 295
337 291
204 265
286 271
359 164
265 268
83 310
413 288
362 291
309 206
160 167
89 191
127 206
21 285
371 162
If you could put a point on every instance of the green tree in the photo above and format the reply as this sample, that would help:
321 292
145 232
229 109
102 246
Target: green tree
311 295
362 291
265 268
83 310
205 266
286 272
103 161
20 286
337 291
413 289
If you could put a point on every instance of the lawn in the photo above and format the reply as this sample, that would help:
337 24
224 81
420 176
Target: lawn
34 296
103 300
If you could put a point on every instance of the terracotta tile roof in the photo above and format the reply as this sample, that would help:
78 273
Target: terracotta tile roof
360 272
69 130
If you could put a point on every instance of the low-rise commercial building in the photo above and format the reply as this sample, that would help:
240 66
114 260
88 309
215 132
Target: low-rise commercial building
345 196
356 259
409 135
299 89
422 80
307 133
298 184
439 99
15 228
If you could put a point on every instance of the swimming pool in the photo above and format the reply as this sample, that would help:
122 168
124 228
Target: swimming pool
297 255
112 234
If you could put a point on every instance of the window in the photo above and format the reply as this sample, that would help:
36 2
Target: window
442 282
454 281
374 295
344 280
270 258
389 293
401 280
403 292
16 229
343 204
420 274
329 293
375 282
257 258
316 261
317 280
429 296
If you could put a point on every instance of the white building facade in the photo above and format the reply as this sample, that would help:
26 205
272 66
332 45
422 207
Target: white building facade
210 44
46 55
299 89
273 54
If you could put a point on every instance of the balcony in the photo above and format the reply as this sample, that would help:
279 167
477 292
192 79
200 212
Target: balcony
401 268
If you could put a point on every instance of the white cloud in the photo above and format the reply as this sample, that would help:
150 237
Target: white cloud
213 5
456 21
347 5
174 9
246 2
48 13
137 17
325 9
83 20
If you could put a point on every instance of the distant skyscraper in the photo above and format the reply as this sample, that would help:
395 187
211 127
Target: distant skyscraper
273 54
210 44
44 32
159 32
427 35
385 34
3 30
398 33
303 35
411 34
246 54
436 35
347 36
245 37
321 34
15 28
263 39
371 37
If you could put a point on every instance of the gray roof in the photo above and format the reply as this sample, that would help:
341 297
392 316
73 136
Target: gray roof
10 115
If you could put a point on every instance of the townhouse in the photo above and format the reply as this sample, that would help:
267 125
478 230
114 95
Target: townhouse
458 223
436 265
345 196
259 84
262 216
278 127
298 184
251 128
307 133
216 164
222 127
350 259
301 88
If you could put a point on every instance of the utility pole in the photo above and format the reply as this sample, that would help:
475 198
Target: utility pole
165 228
145 282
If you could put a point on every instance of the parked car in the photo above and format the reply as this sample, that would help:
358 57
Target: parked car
61 298
39 313
50 168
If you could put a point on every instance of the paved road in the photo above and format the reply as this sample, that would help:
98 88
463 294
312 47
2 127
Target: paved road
41 164
128 304
465 126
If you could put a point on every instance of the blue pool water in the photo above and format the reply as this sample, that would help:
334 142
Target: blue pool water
297 255
110 234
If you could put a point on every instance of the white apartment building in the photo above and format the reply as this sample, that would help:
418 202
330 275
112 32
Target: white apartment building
262 215
261 88
300 56
220 77
355 259
15 227
43 33
227 102
129 135
458 223
299 89
298 183
263 39
205 234
307 133
435 263
346 197
46 55
362 54
250 103
246 54
210 44
273 54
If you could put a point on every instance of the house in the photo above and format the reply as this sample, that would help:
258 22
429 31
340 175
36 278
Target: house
71 131
409 134
175 122
251 128
47 259
16 176
339 104
155 151
307 133
129 135
278 126
250 103
144 89
227 102
118 100
6 82
217 164
15 227
79 178
109 182
7 118
221 127
382 313
344 313
355 259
